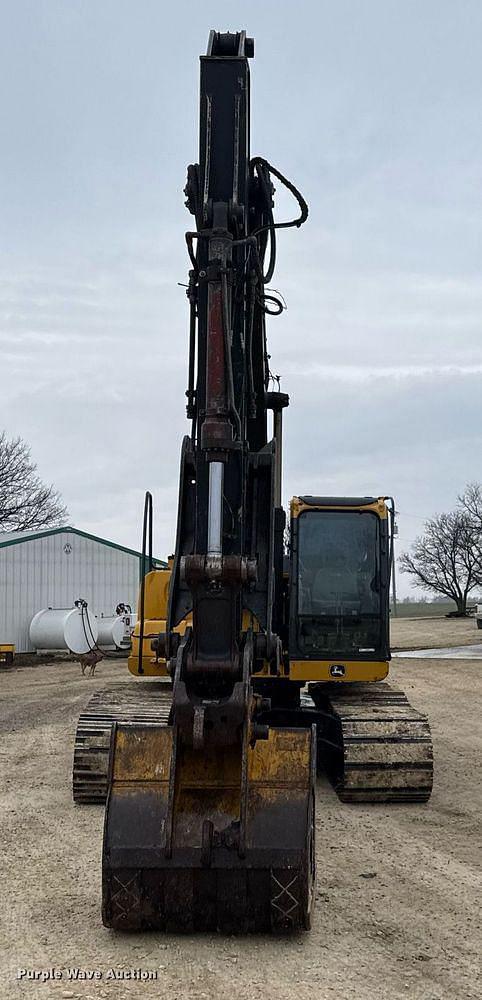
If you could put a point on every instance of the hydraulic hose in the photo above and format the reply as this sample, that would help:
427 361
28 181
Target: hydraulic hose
146 538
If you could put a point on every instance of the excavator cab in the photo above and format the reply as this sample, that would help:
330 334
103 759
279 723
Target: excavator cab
339 588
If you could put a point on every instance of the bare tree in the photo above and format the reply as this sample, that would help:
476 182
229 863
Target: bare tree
444 559
471 505
25 501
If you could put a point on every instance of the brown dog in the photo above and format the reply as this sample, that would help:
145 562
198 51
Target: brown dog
90 660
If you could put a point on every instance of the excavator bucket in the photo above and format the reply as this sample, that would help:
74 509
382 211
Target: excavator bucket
219 840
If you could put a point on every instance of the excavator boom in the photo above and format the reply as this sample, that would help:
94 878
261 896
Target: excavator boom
209 820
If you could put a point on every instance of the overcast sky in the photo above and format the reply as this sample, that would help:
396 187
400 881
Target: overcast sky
373 109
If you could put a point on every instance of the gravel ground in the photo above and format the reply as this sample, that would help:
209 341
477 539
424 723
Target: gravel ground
398 889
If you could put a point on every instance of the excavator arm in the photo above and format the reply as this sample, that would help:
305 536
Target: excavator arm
228 560
209 821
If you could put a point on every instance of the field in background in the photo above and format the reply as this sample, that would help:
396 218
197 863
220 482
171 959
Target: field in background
427 609
406 633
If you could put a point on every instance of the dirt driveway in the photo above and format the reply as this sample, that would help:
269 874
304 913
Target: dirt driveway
398 896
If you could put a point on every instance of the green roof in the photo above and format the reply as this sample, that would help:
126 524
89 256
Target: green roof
17 537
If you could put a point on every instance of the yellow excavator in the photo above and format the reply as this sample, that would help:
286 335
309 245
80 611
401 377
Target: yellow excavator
260 653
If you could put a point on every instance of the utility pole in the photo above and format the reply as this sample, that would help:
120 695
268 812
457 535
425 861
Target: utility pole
394 582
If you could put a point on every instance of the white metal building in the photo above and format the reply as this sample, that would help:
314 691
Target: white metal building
54 567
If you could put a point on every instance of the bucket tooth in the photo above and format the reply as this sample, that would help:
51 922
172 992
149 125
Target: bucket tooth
198 842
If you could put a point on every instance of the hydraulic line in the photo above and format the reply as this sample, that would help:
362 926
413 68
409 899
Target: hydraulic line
146 534
191 392
228 352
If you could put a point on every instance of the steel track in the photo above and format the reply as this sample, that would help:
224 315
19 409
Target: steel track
375 746
128 702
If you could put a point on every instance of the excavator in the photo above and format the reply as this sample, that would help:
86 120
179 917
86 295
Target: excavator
261 650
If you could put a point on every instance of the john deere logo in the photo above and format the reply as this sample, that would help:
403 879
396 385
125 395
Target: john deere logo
337 670
67 548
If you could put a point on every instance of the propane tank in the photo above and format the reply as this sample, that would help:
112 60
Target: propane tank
73 629
115 631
